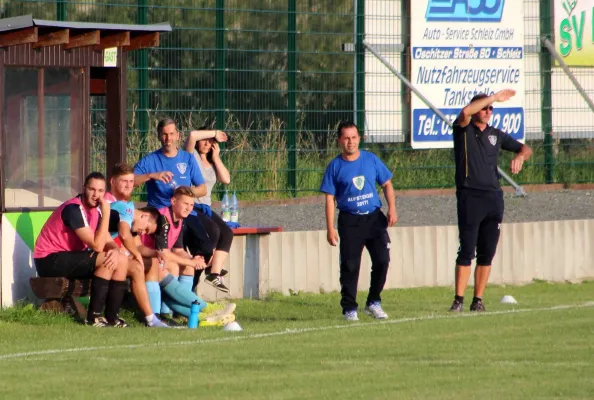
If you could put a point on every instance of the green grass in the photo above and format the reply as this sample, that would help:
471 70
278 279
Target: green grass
540 353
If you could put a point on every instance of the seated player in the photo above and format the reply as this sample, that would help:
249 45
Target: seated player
171 268
126 221
72 244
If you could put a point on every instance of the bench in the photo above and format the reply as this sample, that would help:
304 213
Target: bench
256 230
61 294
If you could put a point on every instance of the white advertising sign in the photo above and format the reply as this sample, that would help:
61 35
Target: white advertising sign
461 48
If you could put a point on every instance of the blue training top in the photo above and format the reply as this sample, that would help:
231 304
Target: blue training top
125 210
185 172
353 182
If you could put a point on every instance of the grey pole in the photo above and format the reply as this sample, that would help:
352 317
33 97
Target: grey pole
519 190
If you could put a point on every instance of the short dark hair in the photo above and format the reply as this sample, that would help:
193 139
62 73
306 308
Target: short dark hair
183 191
94 175
121 169
345 124
163 123
152 211
479 96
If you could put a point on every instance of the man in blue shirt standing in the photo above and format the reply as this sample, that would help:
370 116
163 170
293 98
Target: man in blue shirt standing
350 180
164 170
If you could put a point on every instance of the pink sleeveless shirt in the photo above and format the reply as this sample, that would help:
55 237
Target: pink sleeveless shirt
172 233
56 237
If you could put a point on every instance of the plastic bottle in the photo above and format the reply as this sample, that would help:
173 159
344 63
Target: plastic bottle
173 185
194 317
234 209
225 206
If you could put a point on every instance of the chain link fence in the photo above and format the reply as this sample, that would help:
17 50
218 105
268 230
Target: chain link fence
279 75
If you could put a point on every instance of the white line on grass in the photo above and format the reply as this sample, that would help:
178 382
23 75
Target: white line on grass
289 331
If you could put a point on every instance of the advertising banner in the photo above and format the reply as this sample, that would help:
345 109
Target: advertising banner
460 48
574 36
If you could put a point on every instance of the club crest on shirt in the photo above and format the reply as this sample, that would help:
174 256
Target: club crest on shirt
493 139
181 167
359 182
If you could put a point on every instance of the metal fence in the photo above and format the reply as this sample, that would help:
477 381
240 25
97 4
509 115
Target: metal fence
279 75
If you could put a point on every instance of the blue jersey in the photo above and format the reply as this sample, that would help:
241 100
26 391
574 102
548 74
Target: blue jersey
183 167
125 210
353 182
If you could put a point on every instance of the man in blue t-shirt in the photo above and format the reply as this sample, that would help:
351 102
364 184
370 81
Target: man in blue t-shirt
350 180
165 169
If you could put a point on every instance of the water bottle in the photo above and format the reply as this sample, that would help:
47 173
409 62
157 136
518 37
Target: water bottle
234 209
172 185
226 208
194 318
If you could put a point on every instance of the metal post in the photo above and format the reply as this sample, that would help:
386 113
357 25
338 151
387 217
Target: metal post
518 188
142 68
360 66
221 78
292 97
404 66
546 101
61 10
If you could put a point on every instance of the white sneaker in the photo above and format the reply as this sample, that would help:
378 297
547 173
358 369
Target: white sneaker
351 315
156 323
375 310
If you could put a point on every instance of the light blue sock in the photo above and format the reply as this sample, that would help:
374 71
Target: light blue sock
180 309
154 292
165 304
176 292
186 282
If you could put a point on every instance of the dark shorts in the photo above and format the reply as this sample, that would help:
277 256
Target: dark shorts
196 238
480 214
67 264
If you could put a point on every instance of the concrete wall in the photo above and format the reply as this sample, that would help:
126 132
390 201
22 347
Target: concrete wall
303 261
420 256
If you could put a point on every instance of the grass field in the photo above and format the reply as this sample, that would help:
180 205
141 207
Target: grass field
298 347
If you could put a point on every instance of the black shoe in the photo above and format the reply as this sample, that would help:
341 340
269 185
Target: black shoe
216 282
118 323
223 272
457 306
98 322
477 306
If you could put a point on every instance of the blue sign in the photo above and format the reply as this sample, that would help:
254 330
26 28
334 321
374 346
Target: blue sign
428 127
465 10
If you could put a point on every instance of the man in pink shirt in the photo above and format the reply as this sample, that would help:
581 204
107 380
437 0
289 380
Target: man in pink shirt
72 244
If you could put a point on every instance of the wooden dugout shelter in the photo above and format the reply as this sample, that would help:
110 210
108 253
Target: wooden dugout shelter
48 72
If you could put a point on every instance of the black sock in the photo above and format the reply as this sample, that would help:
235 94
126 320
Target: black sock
99 289
476 299
214 274
117 291
459 298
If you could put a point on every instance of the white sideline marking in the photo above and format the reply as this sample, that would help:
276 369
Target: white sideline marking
291 331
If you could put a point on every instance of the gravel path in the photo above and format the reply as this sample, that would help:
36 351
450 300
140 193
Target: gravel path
432 210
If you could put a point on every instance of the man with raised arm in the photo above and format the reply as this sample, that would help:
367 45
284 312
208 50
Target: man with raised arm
478 192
